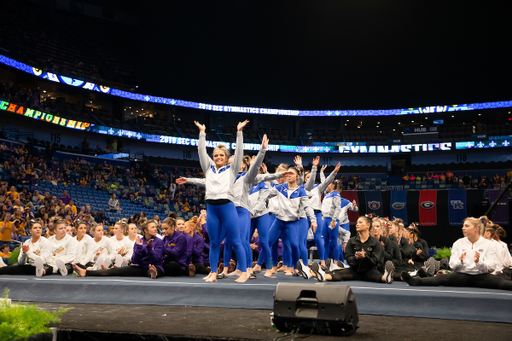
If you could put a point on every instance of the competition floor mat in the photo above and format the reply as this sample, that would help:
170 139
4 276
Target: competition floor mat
397 299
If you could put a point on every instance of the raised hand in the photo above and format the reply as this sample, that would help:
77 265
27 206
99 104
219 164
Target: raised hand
264 168
241 125
477 257
202 127
288 173
316 161
181 180
25 248
150 242
323 168
138 241
264 142
298 160
337 168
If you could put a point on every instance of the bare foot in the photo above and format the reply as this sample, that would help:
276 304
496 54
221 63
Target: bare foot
235 273
207 277
289 272
284 268
256 269
212 277
243 278
268 273
81 272
103 267
274 271
322 263
152 271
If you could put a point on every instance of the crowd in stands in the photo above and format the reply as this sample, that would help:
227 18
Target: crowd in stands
495 181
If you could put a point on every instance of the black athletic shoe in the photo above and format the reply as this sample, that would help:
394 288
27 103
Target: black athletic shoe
437 266
320 274
444 264
411 281
389 271
340 264
430 266
422 273
328 263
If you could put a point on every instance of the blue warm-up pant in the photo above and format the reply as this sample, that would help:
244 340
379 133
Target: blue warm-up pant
333 238
320 235
262 224
244 225
303 239
222 221
290 231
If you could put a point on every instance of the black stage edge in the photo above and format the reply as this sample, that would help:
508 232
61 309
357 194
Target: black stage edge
136 322
397 299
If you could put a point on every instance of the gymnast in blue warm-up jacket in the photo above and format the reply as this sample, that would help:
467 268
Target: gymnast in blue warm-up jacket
221 212
291 199
316 192
147 258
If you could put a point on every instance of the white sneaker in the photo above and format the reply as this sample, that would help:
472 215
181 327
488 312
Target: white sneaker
61 266
97 265
119 261
38 263
389 271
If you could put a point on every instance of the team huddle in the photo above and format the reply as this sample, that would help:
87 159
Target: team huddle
284 207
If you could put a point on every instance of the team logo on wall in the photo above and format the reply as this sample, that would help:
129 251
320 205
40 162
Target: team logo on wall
373 205
457 204
398 205
427 205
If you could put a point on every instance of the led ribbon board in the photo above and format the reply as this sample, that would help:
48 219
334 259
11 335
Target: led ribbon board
348 148
245 110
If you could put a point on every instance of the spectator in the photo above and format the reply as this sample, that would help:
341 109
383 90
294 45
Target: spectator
72 207
5 252
114 204
5 229
65 198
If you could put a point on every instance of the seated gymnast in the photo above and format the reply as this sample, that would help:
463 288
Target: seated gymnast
85 244
503 257
34 254
121 248
147 259
175 247
473 260
364 253
64 250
